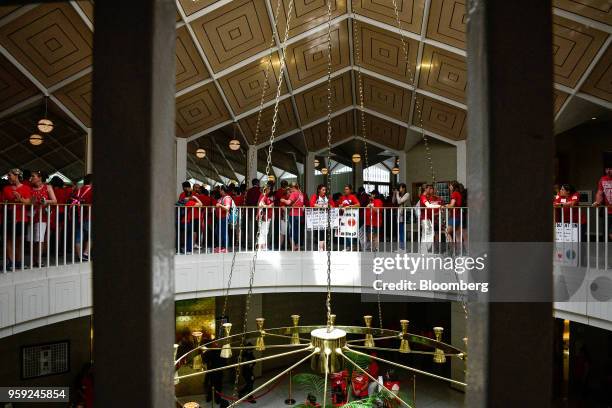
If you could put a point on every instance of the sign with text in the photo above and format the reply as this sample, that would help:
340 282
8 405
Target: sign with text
349 223
316 218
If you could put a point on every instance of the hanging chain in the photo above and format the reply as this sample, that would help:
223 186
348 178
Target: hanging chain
417 104
247 306
329 172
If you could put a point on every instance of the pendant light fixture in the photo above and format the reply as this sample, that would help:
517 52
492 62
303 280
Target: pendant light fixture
234 144
45 125
200 153
316 162
356 158
324 171
36 139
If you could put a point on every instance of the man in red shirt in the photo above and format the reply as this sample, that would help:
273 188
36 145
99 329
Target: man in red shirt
604 195
16 196
372 219
348 199
296 202
83 198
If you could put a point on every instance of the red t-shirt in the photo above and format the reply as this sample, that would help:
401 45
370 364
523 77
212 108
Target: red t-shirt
322 201
280 193
189 212
454 212
239 200
569 213
38 195
430 213
297 198
252 196
347 200
372 215
605 185
8 196
265 213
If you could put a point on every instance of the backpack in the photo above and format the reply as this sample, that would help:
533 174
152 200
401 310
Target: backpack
234 213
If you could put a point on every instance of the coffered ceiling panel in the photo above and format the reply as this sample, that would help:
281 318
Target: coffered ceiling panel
191 6
198 110
6 10
243 87
312 104
599 83
447 22
599 10
382 52
390 100
385 132
443 73
574 47
307 59
189 66
342 128
76 96
285 122
410 12
50 41
559 99
306 14
441 118
233 33
14 86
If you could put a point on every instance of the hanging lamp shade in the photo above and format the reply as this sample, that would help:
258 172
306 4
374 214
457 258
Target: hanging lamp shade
324 171
234 144
200 153
36 139
45 125
316 163
356 158
395 170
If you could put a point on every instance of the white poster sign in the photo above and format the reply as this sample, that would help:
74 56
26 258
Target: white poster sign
349 223
316 218
566 232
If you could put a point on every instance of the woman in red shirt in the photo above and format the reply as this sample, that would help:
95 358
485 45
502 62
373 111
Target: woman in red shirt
430 214
264 215
321 200
456 223
16 196
42 196
567 211
223 208
372 219
296 202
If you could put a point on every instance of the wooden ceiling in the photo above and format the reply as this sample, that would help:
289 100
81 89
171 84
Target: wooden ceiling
226 54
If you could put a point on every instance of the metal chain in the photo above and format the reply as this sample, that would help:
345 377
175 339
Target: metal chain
417 104
247 306
329 176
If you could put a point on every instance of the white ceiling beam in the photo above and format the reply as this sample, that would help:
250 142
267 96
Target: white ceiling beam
70 79
17 13
266 105
594 100
193 87
265 54
224 157
202 12
82 14
583 20
435 135
21 105
209 130
584 77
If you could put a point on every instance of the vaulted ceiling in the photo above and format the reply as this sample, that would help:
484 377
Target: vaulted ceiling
223 54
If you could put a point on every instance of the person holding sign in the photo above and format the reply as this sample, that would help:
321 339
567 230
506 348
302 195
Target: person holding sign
372 219
566 211
320 200
430 214
349 218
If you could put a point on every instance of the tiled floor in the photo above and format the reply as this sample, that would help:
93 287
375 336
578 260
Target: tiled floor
430 393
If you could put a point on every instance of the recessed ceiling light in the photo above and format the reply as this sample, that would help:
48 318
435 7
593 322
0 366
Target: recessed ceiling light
593 118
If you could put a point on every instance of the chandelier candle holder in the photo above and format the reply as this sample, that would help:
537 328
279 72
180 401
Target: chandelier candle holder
439 357
259 343
324 171
295 331
226 349
176 380
404 345
196 363
369 338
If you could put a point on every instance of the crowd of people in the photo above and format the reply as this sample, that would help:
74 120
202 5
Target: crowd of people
236 216
38 210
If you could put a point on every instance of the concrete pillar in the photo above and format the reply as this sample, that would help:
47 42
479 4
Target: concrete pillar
309 176
510 128
461 162
89 152
357 175
133 282
403 174
181 162
458 333
251 165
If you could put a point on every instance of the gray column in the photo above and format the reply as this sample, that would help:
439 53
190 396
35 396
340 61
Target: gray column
180 163
309 176
357 175
133 266
251 165
89 152
510 148
461 161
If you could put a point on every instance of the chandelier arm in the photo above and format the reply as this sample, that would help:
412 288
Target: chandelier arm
329 239
375 338
458 355
339 351
405 367
268 346
273 379
286 337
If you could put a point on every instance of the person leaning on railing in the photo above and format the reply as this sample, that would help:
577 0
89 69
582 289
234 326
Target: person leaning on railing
604 194
566 208
456 223
372 219
83 196
42 196
430 214
264 216
321 200
296 202
15 196
401 198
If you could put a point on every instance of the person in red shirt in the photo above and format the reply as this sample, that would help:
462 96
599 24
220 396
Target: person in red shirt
186 193
430 214
604 195
296 202
15 196
224 206
42 196
264 216
253 194
566 204
457 222
321 200
82 200
348 199
372 219
281 193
